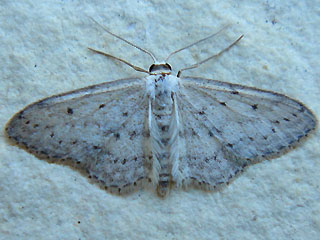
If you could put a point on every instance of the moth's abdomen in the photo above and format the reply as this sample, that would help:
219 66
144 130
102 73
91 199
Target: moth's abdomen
162 108
164 175
163 152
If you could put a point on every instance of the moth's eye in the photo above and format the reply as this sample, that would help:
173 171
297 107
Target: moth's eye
168 66
151 68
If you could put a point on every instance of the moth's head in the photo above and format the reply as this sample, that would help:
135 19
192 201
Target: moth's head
160 68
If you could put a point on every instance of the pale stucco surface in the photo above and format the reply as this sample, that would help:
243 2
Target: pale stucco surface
43 51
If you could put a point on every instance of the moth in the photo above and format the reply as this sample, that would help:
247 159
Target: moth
164 130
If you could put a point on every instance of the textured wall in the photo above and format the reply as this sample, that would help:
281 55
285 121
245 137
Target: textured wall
43 51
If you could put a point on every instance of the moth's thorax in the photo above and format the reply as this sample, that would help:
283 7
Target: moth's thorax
160 87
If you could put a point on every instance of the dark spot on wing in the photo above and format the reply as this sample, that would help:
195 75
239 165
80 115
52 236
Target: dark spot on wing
96 147
15 138
52 134
230 145
273 130
236 172
293 114
223 103
35 125
20 115
251 138
69 110
44 152
102 106
117 136
286 119
125 114
201 112
267 153
308 130
234 92
27 122
124 161
133 134
282 147
292 141
254 106
193 132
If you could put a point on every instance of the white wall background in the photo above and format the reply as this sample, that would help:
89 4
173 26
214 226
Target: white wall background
43 51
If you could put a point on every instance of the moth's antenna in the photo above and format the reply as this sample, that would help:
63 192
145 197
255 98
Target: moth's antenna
139 69
199 41
141 49
209 58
